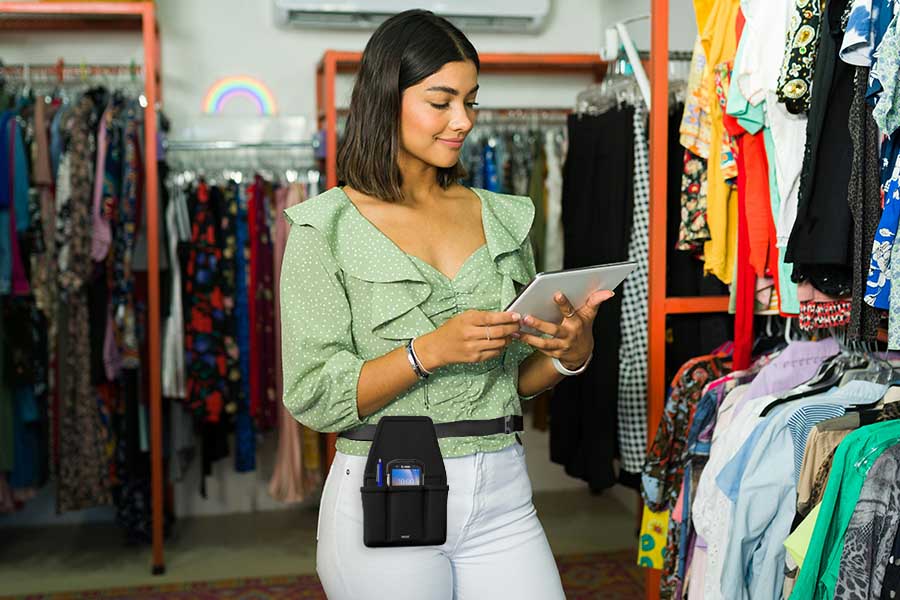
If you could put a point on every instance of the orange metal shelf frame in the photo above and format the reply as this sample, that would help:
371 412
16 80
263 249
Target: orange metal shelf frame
139 17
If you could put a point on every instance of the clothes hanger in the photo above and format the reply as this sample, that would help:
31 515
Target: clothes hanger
877 370
617 87
828 375
856 362
770 340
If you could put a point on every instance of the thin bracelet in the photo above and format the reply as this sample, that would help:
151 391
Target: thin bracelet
412 363
419 370
562 370
416 356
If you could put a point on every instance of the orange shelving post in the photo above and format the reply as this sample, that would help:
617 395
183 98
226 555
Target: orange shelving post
137 17
660 304
656 313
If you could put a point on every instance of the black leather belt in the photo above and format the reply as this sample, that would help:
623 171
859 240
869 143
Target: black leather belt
508 424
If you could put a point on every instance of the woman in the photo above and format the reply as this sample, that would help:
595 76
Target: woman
392 290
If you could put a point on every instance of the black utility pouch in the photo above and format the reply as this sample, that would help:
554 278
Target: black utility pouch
405 515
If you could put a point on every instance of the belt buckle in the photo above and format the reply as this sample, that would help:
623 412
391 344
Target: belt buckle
508 424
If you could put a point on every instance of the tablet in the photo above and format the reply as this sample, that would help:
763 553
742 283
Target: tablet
536 298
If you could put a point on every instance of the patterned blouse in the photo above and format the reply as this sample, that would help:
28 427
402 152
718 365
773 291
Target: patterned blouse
349 294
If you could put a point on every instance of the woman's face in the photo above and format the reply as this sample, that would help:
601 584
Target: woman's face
437 113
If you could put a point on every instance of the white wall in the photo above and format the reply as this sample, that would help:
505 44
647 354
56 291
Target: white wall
204 40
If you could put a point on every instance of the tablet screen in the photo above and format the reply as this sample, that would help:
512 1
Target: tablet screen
577 285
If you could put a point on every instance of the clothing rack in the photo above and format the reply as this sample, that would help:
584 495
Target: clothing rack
46 79
660 305
290 158
135 17
61 73
334 62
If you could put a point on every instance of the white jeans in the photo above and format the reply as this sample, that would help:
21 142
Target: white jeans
495 548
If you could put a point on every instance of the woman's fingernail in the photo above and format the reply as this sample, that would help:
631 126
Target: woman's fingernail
516 316
527 319
516 335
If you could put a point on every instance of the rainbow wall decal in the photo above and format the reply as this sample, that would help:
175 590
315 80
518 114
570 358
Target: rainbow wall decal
242 86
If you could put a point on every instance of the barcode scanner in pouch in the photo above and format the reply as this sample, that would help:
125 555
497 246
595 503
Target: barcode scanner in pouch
404 492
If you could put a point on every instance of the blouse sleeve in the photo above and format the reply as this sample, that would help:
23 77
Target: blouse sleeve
519 350
321 367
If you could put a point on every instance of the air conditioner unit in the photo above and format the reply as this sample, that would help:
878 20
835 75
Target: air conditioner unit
512 16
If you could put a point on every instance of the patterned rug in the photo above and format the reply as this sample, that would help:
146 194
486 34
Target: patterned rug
610 576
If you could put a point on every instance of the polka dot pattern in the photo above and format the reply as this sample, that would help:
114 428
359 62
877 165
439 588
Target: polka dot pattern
349 294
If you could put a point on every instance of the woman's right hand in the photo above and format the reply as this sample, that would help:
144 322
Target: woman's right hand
469 337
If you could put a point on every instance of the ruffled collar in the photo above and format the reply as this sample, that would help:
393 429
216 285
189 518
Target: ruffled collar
364 252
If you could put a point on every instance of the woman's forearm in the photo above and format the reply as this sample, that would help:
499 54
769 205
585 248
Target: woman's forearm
536 374
386 377
382 380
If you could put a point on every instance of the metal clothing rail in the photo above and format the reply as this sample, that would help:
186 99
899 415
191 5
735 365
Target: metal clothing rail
138 17
46 79
187 145
674 55
60 71
659 304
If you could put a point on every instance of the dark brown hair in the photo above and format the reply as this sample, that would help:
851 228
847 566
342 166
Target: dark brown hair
403 51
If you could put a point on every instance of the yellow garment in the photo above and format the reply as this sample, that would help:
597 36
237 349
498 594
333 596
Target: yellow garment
695 126
654 529
719 41
798 542
702 10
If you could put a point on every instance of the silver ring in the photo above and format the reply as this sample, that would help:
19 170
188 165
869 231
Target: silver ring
570 315
488 333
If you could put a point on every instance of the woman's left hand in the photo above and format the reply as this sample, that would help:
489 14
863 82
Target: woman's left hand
573 339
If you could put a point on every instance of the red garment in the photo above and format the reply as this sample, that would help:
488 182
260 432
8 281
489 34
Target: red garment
205 374
760 223
746 278
254 196
824 315
263 355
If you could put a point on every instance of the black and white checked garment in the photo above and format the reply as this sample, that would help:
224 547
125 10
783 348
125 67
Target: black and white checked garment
632 411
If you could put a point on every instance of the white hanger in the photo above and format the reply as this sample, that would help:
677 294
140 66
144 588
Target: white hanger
619 31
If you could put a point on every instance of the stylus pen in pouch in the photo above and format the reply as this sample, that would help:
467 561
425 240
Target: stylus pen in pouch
379 474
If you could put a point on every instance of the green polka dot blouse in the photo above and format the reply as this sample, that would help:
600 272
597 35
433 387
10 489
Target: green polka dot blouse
349 294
